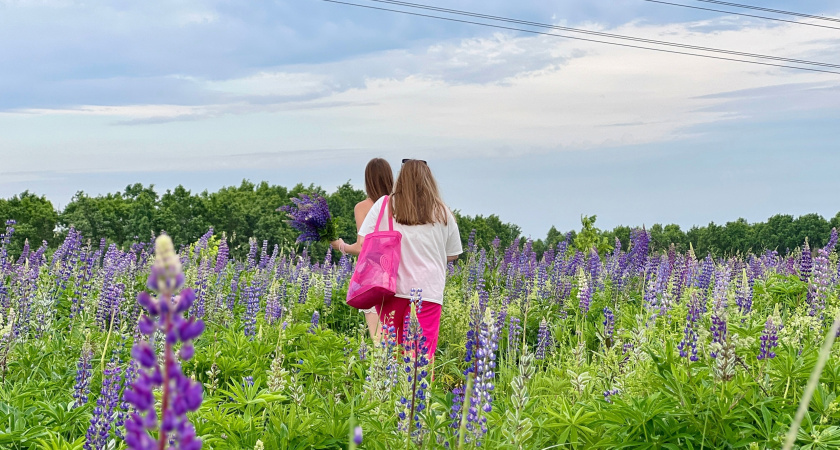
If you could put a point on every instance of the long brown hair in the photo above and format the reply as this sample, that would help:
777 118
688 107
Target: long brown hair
379 179
416 199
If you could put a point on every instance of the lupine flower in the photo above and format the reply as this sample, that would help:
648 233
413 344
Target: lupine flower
705 279
514 331
103 414
357 435
543 340
222 255
83 374
316 316
805 263
688 345
584 293
304 288
719 334
252 307
179 394
310 215
415 359
608 395
832 241
769 340
819 283
609 323
481 397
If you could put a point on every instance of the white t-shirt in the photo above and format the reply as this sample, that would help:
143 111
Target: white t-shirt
423 252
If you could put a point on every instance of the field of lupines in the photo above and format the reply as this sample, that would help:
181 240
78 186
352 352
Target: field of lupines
575 350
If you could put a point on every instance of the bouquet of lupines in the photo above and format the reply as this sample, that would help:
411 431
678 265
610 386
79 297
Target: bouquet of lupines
310 215
179 394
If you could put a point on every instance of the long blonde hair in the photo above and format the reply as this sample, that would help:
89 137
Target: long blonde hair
416 199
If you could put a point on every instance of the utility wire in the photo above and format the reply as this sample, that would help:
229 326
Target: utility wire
599 33
777 11
743 14
579 38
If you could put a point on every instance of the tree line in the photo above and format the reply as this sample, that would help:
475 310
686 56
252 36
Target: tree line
249 210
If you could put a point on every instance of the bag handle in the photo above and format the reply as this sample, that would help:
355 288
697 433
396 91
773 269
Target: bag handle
382 212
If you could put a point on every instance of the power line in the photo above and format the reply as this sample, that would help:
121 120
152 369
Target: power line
777 11
609 35
745 15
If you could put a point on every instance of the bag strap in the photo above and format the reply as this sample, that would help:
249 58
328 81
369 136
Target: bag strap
381 213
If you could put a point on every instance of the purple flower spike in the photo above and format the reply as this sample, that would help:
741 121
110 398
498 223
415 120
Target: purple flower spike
357 435
185 300
179 394
144 355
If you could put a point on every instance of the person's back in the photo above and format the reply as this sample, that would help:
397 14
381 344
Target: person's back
430 239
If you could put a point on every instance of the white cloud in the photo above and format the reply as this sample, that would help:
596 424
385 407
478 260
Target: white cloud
497 94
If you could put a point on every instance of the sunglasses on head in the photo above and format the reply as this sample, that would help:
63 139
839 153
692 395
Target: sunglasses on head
411 159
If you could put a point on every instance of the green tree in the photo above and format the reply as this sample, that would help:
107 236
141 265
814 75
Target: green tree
36 220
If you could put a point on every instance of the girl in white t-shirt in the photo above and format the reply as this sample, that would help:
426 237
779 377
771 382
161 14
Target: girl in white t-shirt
430 239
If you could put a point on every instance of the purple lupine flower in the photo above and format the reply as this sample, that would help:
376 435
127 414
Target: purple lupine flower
609 323
481 397
514 331
125 407
689 341
543 340
805 263
719 332
252 308
251 262
769 340
705 279
316 316
83 373
832 241
304 288
743 294
234 286
99 430
471 242
819 283
415 359
179 394
310 215
608 395
222 255
264 255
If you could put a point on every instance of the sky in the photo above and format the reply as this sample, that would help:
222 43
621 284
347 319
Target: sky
539 130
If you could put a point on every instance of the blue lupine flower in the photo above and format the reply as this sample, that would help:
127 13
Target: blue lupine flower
769 340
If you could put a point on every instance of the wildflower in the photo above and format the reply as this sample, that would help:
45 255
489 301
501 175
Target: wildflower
819 283
310 215
103 414
83 374
584 293
543 340
769 340
316 316
357 435
689 341
222 255
608 395
609 323
179 394
805 262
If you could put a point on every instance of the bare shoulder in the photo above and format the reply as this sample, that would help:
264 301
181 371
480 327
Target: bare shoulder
363 207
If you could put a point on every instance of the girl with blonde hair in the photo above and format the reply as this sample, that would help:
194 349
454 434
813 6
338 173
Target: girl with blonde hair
430 239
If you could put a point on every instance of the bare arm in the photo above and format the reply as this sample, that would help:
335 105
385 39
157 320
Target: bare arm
452 258
359 212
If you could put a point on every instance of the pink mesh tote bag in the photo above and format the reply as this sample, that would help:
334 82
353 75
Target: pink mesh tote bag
376 270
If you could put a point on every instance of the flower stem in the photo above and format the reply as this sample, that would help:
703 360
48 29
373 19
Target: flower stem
825 351
168 360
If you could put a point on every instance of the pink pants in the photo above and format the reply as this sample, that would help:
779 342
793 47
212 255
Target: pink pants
428 317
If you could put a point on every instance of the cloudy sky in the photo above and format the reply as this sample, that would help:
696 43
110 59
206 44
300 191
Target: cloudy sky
98 94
